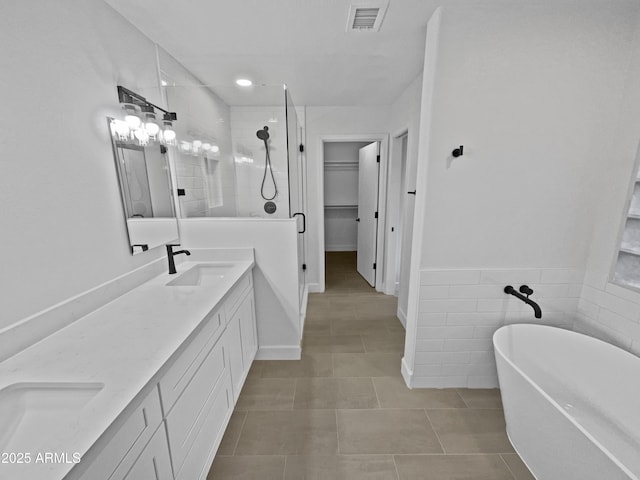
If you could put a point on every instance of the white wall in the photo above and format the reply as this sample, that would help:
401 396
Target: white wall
64 229
330 121
533 93
275 275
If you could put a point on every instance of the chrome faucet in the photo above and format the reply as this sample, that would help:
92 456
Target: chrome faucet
171 254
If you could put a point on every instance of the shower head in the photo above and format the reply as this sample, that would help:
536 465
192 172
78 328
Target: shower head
263 134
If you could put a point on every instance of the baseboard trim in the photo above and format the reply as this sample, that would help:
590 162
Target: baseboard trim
407 373
279 352
402 317
314 288
340 248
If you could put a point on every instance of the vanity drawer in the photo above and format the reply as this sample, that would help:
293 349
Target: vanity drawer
153 463
180 373
186 418
120 453
235 297
200 457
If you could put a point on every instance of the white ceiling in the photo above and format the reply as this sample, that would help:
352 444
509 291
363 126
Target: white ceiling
302 43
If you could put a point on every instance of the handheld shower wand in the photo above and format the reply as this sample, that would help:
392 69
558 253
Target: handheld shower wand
263 134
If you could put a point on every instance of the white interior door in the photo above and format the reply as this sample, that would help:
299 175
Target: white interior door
368 170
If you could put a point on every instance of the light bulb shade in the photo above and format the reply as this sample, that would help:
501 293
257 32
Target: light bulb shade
215 148
142 136
186 147
152 129
206 147
133 121
120 130
131 116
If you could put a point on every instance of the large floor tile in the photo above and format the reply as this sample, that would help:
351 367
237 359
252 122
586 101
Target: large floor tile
366 364
317 326
333 344
231 434
311 365
394 325
267 394
341 467
358 327
481 397
452 467
387 342
318 393
247 468
471 430
385 432
517 466
393 393
296 432
332 313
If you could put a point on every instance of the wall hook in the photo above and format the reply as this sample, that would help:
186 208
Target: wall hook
458 152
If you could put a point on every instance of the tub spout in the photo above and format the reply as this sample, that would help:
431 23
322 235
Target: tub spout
512 291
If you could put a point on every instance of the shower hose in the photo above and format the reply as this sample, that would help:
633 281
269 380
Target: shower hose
267 166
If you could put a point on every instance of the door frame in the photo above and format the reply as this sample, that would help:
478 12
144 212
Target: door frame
395 194
383 138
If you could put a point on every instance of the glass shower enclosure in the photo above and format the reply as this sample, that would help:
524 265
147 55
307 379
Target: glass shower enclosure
239 154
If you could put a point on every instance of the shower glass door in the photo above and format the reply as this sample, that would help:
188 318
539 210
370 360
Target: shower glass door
297 177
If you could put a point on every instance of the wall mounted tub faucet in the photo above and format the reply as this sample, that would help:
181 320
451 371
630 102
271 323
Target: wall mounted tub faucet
524 289
171 254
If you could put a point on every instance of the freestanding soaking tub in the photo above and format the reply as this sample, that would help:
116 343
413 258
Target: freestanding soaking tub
571 403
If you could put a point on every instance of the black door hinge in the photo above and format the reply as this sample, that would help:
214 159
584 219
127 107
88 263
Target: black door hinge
163 149
378 159
374 266
181 192
304 266
301 148
375 215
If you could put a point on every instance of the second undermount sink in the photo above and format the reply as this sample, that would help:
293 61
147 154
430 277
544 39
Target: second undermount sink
30 411
202 274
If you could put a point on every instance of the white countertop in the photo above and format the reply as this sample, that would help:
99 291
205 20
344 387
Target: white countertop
121 345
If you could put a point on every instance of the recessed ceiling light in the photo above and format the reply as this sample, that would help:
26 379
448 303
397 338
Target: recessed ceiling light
244 82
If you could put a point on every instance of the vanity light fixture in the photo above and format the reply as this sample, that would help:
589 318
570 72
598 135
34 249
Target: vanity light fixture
244 82
215 148
139 124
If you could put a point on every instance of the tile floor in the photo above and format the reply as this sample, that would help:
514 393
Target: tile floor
344 412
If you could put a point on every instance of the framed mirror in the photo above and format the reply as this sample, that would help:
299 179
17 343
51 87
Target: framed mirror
144 177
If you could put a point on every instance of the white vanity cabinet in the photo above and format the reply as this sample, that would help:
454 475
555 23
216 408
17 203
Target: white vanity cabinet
174 432
125 446
242 342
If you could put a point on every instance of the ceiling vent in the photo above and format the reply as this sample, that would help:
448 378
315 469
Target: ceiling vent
366 17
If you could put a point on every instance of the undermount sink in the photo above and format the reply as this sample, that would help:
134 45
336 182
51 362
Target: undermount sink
203 274
29 411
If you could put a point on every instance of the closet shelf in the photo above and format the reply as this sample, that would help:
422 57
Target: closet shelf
341 165
630 251
341 206
635 216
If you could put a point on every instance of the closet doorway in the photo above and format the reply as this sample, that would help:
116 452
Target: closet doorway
352 176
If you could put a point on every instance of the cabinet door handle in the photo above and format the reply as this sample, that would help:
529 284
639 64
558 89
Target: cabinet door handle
357 219
412 193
